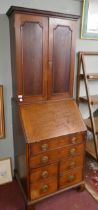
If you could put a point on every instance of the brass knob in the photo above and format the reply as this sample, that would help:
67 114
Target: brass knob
44 174
44 159
45 188
73 140
44 147
72 151
72 164
71 178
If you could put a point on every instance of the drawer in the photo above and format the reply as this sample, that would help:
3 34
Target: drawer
43 173
54 143
42 188
56 155
71 178
71 163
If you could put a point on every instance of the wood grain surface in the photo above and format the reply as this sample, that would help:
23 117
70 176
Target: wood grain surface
50 119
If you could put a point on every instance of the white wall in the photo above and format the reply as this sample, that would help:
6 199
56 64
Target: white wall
6 145
70 6
65 6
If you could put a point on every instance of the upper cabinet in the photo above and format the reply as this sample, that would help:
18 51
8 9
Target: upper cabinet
42 48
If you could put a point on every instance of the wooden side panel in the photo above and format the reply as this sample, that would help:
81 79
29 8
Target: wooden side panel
20 149
13 55
61 58
31 31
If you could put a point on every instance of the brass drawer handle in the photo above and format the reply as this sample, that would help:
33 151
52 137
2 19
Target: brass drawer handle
44 174
44 147
72 151
71 178
44 159
73 140
45 188
72 164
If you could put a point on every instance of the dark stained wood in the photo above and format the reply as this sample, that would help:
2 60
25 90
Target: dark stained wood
40 75
31 56
61 61
32 34
61 58
49 135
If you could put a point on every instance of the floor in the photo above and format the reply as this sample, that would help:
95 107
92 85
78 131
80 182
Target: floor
11 199
69 200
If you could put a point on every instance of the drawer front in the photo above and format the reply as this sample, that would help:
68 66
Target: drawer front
71 178
54 143
56 155
71 163
43 188
43 173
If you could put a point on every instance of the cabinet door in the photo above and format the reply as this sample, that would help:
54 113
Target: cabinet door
61 58
31 33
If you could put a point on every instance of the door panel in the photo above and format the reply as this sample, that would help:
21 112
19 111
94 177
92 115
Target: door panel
32 58
32 50
61 59
61 55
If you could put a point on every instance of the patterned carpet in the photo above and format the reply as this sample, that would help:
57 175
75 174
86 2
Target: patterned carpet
91 177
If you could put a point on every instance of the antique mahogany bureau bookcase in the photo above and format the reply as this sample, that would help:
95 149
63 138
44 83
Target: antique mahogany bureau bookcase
48 131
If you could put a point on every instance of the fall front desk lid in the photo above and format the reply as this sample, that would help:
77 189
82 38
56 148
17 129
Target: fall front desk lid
50 119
